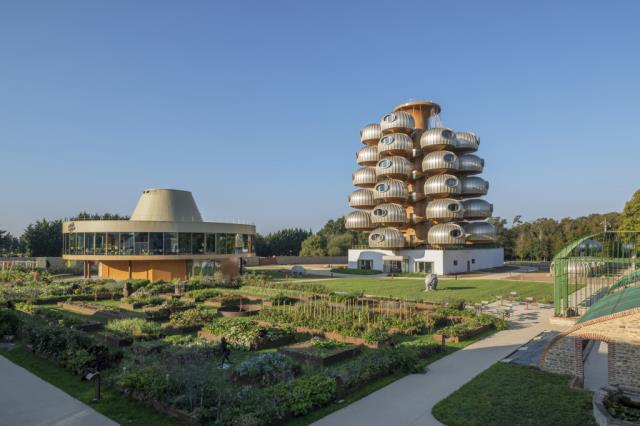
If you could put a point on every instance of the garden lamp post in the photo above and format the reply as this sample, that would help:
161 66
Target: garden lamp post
93 374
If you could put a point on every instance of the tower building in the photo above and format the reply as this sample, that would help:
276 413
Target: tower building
418 196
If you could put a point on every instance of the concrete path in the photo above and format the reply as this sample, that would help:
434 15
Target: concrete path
27 400
596 366
409 401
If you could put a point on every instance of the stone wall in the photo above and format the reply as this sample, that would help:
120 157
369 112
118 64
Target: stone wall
627 364
621 331
561 359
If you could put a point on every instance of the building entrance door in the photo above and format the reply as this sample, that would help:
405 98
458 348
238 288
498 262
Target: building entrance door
468 266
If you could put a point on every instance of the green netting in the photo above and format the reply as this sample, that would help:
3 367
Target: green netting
586 270
624 300
628 279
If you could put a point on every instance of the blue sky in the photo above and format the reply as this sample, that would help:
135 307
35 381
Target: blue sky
256 106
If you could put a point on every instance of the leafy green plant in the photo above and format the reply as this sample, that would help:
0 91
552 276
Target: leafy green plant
134 327
266 369
245 333
9 322
190 318
202 294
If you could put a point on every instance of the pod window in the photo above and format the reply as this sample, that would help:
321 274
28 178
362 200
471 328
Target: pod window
377 237
387 140
453 207
447 134
383 187
384 164
380 212
455 233
451 182
448 158
389 118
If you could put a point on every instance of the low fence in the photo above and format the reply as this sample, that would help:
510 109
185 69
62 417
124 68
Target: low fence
297 260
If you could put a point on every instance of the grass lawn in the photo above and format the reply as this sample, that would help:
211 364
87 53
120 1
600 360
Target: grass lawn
507 394
471 290
112 404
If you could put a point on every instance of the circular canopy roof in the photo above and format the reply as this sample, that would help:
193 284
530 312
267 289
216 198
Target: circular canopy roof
166 205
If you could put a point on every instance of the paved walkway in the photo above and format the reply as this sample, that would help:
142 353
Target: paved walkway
27 400
409 401
596 366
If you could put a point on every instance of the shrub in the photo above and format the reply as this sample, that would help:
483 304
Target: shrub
266 369
134 327
356 271
373 364
190 318
244 333
9 322
202 294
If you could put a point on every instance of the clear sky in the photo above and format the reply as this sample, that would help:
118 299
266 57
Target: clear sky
256 106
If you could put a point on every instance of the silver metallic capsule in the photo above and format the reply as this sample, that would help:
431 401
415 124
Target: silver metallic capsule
439 162
437 139
367 156
396 144
359 220
469 164
390 190
473 186
364 177
362 199
466 142
397 122
386 238
389 214
477 209
444 210
370 134
446 234
440 186
394 167
479 232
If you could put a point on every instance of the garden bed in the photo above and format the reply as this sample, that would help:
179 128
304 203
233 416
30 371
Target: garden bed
236 311
114 339
89 309
310 353
256 346
131 306
460 338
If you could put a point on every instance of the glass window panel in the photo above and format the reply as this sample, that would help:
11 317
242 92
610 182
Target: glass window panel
225 243
170 243
211 243
111 246
72 244
126 243
88 243
197 241
65 243
100 242
155 243
142 243
80 243
184 243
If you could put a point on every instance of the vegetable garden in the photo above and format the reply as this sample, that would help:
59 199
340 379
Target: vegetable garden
295 346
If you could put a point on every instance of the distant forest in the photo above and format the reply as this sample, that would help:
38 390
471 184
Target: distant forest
539 239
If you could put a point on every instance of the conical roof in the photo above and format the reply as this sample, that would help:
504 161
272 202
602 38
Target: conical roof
166 205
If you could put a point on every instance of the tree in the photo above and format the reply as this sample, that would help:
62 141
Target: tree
631 214
286 242
313 246
10 245
340 245
44 238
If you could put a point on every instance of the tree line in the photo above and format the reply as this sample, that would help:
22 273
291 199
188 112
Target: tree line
539 239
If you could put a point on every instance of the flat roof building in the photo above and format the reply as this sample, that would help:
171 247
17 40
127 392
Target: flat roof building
165 238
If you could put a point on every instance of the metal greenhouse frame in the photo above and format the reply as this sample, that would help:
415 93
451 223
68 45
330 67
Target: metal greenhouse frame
593 266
